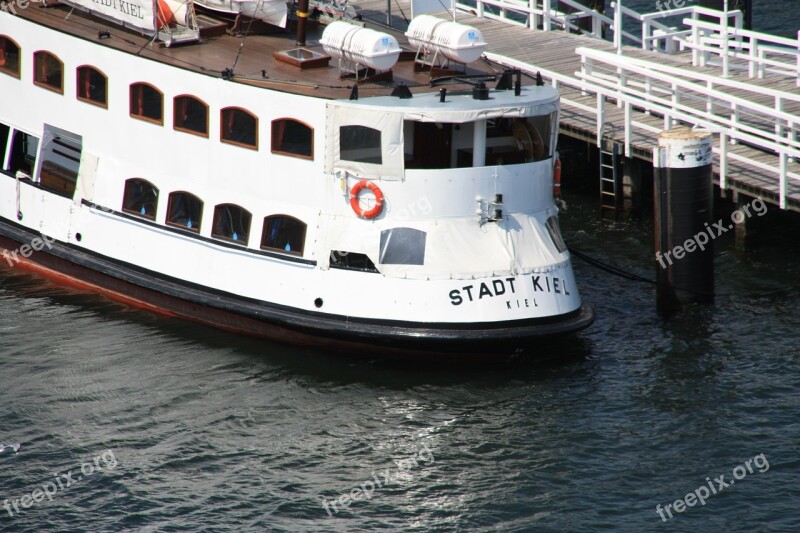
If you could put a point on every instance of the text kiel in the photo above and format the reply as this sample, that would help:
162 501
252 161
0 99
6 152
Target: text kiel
499 287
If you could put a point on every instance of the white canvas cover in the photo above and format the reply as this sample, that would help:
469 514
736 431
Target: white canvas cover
86 177
133 13
454 249
390 125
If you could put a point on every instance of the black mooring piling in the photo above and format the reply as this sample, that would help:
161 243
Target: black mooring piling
683 204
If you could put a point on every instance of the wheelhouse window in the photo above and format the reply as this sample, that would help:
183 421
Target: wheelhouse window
239 127
231 222
360 144
48 72
284 234
185 210
147 103
141 198
428 145
92 86
291 137
519 140
191 115
9 56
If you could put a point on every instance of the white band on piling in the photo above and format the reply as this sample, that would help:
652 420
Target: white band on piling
683 147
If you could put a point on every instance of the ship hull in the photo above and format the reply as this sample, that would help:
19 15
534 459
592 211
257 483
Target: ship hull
69 265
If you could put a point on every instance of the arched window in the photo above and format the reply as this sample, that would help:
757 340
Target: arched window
9 56
291 137
360 143
185 210
231 222
141 198
284 234
191 115
92 86
147 103
239 127
48 71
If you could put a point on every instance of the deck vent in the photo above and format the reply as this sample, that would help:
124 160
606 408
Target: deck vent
302 58
360 51
440 41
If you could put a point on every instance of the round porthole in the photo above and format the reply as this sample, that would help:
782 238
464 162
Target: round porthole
78 237
318 303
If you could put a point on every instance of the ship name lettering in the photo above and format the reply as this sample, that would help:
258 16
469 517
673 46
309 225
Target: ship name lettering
557 285
130 9
485 290
521 302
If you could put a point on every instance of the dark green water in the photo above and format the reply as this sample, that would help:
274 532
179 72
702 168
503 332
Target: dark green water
197 430
208 431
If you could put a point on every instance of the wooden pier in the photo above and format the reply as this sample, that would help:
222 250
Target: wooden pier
742 86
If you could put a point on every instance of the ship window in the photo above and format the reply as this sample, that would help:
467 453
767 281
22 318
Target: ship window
352 261
290 137
9 56
147 103
555 234
191 115
185 210
231 222
360 144
402 246
141 198
428 145
61 160
22 153
239 127
5 133
48 72
519 140
284 233
92 86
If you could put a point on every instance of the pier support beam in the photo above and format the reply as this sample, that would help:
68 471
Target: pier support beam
632 187
683 203
596 5
746 6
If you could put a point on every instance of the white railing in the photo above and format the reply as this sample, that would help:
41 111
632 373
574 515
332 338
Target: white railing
760 52
544 14
700 100
721 35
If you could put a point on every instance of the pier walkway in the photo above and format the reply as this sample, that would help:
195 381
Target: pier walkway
676 68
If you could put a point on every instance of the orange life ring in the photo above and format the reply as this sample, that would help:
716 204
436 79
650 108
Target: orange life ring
2 57
376 209
557 179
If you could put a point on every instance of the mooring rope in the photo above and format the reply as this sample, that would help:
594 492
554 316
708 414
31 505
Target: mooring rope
616 271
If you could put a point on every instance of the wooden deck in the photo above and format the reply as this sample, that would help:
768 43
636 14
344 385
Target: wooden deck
255 64
553 54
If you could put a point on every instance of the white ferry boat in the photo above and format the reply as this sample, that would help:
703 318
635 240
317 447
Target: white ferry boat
343 195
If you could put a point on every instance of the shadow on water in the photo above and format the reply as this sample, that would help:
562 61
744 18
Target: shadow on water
554 356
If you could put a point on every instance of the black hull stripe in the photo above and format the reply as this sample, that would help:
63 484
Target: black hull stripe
309 322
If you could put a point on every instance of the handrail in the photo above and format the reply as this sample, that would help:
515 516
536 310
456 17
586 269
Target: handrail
763 118
769 128
758 45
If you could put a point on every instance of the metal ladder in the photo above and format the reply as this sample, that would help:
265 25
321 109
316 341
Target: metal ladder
610 183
